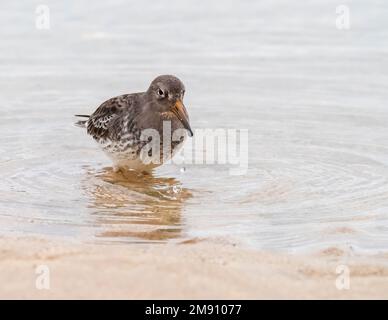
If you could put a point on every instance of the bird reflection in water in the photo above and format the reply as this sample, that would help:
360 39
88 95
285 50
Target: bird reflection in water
129 206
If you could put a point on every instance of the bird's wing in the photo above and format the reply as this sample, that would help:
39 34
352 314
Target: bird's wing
100 123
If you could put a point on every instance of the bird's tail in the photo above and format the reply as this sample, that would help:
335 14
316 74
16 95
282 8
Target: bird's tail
82 123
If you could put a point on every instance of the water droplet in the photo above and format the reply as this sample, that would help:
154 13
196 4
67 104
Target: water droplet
176 189
183 169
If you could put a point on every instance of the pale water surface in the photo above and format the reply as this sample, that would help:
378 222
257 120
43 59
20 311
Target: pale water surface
313 97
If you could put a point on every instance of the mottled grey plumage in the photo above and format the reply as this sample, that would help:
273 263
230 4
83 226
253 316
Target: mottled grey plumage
118 123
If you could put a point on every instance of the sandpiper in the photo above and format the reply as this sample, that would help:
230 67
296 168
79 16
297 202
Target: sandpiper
118 125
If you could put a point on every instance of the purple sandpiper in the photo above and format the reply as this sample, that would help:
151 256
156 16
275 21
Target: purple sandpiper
119 123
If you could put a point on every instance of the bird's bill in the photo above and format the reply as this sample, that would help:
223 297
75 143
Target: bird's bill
180 111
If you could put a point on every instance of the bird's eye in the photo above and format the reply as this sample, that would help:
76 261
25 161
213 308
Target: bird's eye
161 93
183 93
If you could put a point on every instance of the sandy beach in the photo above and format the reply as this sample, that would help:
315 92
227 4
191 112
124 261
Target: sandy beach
191 270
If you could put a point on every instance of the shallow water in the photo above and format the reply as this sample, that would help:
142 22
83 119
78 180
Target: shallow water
312 97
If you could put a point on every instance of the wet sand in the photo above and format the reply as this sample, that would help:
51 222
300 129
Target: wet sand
190 270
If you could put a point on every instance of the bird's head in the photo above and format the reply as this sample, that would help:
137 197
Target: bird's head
166 93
